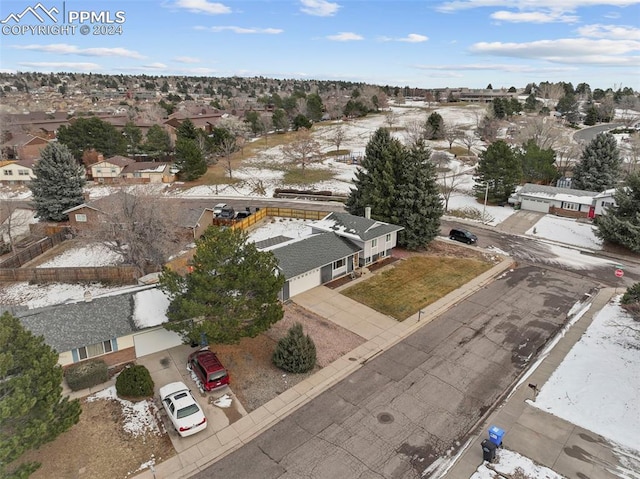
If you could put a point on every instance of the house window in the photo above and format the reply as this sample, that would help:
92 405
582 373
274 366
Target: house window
23 172
81 218
607 204
572 206
388 239
113 171
8 172
93 350
137 174
98 170
339 264
374 243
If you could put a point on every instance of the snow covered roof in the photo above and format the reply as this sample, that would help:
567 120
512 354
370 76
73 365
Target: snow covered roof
556 193
351 226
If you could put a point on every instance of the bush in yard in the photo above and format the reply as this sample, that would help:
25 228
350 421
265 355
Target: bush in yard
631 300
295 353
86 374
134 382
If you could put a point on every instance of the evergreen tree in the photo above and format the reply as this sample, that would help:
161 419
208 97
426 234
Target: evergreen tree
189 160
435 126
399 185
301 121
231 293
280 120
58 183
568 106
187 130
314 107
500 168
621 222
157 142
591 117
532 104
419 206
600 166
92 133
538 165
32 409
296 352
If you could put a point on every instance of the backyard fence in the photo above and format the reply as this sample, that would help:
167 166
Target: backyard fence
34 250
86 274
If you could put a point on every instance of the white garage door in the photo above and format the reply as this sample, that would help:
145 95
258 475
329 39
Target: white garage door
149 342
532 204
304 282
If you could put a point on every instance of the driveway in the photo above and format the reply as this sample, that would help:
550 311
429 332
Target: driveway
520 222
170 366
416 402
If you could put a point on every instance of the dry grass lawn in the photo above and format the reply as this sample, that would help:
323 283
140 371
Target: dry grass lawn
414 283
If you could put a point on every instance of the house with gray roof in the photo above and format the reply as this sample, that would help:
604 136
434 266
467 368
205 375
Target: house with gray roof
118 328
339 245
561 201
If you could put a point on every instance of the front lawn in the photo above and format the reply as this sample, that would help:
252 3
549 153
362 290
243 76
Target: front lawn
415 283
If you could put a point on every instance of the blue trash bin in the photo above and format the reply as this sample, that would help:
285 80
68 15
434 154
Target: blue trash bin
495 435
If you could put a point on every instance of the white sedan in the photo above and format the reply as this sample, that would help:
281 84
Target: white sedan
183 410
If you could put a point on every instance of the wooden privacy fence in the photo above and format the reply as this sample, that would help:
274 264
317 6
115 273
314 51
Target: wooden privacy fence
105 274
261 214
34 250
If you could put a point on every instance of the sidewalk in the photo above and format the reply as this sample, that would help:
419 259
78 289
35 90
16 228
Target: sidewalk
381 333
540 436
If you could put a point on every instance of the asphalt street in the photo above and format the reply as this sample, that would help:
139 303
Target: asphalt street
417 401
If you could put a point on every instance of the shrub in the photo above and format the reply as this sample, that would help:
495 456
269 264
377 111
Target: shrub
86 374
631 300
295 353
134 382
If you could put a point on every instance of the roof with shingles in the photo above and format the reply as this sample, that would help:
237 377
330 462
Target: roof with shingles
70 326
312 252
350 225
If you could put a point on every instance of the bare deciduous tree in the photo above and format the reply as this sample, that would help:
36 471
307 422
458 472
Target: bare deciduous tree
469 139
629 106
415 132
14 223
545 132
141 228
227 147
450 181
303 150
390 118
450 133
567 153
337 136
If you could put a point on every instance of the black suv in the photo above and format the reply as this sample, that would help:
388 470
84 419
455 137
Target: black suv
463 235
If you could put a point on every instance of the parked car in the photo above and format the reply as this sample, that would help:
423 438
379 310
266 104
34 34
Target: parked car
208 369
182 408
243 214
223 210
463 235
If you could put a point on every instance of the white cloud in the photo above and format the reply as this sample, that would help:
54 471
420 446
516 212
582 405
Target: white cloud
186 60
242 30
494 67
570 51
63 66
345 37
618 32
66 49
203 6
414 38
533 17
559 5
319 8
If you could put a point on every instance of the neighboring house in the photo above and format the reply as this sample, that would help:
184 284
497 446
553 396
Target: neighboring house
109 170
117 328
340 243
16 172
559 201
197 220
603 200
147 172
23 146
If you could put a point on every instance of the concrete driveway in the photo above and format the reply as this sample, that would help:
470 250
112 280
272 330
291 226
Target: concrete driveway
170 366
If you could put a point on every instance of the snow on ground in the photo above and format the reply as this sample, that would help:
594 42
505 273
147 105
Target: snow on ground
95 254
574 258
150 308
508 462
40 295
566 230
596 386
493 214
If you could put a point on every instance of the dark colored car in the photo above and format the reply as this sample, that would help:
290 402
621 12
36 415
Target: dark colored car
463 236
208 369
243 214
222 210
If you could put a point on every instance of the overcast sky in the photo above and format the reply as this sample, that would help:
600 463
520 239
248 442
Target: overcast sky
419 43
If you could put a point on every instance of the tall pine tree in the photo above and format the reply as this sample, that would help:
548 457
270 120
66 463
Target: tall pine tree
58 183
190 158
399 185
621 222
600 167
501 169
32 409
